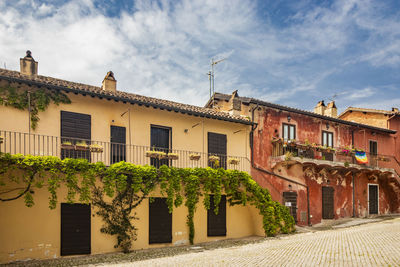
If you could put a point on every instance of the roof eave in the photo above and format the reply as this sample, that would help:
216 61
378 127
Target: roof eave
132 101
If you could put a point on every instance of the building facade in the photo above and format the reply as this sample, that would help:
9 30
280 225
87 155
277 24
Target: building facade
312 162
105 124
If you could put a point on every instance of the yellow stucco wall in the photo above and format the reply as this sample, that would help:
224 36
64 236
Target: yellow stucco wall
35 233
105 113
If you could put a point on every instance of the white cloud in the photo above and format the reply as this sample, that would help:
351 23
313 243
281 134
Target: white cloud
164 48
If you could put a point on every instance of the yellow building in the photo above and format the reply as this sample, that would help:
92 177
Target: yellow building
108 125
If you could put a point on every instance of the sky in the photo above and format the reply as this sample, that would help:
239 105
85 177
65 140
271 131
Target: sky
293 53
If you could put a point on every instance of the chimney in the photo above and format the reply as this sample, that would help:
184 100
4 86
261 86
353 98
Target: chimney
109 82
28 65
331 109
235 105
320 108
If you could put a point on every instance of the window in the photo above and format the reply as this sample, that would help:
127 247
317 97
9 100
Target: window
160 140
75 127
118 144
217 146
160 221
373 148
216 223
289 131
327 139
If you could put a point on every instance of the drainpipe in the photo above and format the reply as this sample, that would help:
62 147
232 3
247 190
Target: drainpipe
354 200
272 173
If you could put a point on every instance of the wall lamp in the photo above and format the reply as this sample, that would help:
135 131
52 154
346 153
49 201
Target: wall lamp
289 118
327 126
290 187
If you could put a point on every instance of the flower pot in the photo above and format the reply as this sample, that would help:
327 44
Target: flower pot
67 146
173 156
194 157
96 149
81 147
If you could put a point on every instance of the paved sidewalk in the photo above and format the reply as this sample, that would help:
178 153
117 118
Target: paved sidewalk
374 244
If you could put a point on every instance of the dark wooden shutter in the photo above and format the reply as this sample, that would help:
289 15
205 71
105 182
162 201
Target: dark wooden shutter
373 199
217 146
216 223
160 140
118 144
75 229
327 202
160 222
75 127
291 197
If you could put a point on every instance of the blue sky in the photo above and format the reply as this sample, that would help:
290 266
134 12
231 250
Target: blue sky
287 52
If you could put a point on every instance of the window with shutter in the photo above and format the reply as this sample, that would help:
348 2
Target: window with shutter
160 140
118 144
75 127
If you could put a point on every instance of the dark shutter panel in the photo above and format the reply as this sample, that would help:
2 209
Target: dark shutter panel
160 222
327 203
291 197
75 229
160 140
216 223
75 127
373 199
217 146
118 144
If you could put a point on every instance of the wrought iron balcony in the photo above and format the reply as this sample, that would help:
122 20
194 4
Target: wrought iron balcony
109 153
286 151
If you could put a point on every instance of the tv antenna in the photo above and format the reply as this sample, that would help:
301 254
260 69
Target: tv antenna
211 77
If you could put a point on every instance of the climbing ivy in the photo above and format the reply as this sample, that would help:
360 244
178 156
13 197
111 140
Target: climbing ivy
118 189
39 100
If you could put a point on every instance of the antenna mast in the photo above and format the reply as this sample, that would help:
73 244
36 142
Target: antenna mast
211 78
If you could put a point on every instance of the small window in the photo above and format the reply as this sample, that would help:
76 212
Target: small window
289 131
373 147
216 223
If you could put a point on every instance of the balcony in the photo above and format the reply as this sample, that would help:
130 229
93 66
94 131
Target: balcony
109 153
340 158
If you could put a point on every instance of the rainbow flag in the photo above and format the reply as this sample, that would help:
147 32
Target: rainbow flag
361 157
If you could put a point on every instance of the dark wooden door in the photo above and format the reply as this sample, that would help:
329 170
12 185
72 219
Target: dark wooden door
75 127
75 229
160 221
118 144
216 223
373 198
291 197
160 140
327 202
217 146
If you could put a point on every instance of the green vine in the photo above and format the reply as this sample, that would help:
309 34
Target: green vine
39 100
117 190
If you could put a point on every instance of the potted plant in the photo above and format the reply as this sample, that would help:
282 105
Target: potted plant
1 139
292 142
67 145
96 148
213 158
156 154
173 156
194 156
81 145
383 158
276 140
233 161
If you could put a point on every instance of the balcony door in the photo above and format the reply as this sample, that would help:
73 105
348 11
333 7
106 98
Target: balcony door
161 141
327 140
118 144
217 146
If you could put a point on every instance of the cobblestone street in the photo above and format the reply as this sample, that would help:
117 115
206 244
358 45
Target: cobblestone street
374 244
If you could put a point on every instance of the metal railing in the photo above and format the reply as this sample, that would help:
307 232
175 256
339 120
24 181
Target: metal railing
336 155
109 153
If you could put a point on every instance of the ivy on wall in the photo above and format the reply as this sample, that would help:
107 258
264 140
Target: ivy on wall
116 190
39 100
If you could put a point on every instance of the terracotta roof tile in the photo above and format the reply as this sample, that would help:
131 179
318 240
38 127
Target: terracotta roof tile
123 96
